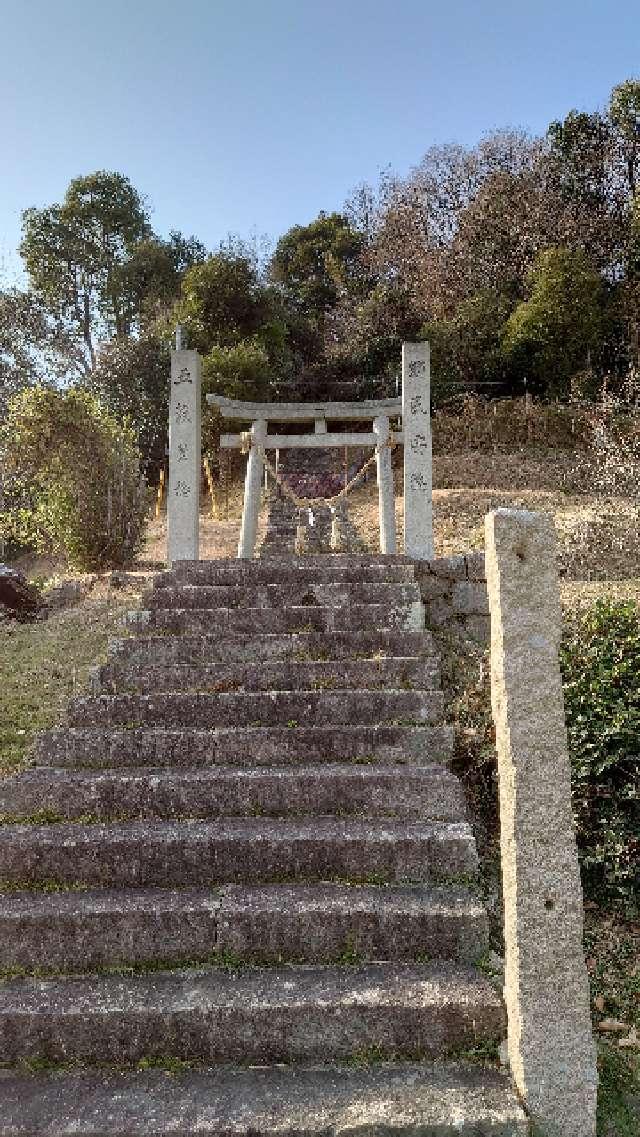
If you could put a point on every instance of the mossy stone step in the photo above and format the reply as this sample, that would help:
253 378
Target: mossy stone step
250 850
257 708
369 674
427 793
99 747
297 618
86 931
297 1013
165 650
289 594
441 1100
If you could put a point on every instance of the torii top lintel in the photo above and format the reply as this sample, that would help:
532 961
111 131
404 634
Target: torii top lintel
365 409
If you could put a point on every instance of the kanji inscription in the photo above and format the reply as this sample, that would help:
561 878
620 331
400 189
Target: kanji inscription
418 405
184 376
416 414
419 443
183 498
182 412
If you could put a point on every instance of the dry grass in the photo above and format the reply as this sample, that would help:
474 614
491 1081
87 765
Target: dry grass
47 661
598 537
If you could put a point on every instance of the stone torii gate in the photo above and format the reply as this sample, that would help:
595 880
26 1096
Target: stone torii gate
414 407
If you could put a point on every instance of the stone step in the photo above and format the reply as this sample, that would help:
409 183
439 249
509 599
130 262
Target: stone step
257 708
97 748
296 1013
85 931
295 647
287 595
302 618
264 571
331 563
226 851
430 793
443 1100
284 675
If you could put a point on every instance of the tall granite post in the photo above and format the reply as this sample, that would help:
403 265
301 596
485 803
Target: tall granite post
416 423
386 496
551 1050
183 501
252 491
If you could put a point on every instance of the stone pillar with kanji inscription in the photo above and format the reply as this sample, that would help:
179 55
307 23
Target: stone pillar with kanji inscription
416 423
183 499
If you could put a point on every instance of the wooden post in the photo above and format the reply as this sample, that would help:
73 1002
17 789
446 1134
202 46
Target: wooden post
227 458
160 493
211 486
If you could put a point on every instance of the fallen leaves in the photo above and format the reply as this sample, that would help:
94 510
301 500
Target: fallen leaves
612 1026
632 1040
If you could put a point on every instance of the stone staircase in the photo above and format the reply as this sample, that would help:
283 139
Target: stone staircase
238 883
313 467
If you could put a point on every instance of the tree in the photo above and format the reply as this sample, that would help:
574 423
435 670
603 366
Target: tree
551 336
315 262
74 253
243 371
467 349
624 114
131 381
237 322
151 276
34 346
588 204
419 240
368 335
73 482
222 302
495 244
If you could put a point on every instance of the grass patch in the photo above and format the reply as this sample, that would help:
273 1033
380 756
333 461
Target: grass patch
484 1053
46 885
368 1056
618 1093
612 950
45 663
169 1063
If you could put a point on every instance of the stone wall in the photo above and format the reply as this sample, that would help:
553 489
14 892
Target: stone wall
454 591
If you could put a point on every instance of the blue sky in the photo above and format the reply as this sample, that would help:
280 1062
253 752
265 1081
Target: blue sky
252 115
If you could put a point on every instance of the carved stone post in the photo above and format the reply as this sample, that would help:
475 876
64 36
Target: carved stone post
386 497
551 1050
252 491
416 421
183 501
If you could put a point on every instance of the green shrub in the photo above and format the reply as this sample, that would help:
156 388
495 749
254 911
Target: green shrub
600 660
72 479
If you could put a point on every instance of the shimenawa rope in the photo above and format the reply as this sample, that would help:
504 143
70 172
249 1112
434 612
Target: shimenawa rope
309 502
